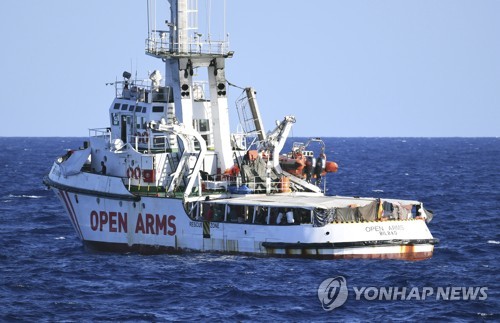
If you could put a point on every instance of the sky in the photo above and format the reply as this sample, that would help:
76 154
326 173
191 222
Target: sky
343 68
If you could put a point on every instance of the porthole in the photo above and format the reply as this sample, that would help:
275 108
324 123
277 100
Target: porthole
98 200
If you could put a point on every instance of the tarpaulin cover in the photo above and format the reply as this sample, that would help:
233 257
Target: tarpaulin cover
74 163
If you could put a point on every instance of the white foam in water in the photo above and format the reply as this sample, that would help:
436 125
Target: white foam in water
493 242
484 314
27 196
60 238
378 191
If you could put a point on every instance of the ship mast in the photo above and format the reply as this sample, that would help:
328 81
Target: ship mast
185 51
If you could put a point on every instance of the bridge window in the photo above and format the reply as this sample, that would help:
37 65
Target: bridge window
158 109
138 108
124 107
117 106
203 125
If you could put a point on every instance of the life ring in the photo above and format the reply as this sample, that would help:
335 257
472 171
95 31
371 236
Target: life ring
137 172
130 172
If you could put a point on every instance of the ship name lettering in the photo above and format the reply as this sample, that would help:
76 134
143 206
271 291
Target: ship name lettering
113 221
117 222
398 227
155 224
374 228
391 230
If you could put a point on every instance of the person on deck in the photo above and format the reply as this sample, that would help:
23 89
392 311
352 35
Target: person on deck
210 213
309 169
103 168
289 217
318 169
280 216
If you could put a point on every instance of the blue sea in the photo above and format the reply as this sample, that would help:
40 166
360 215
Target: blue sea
47 275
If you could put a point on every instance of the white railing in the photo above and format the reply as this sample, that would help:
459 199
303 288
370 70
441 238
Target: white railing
141 141
134 89
101 133
160 46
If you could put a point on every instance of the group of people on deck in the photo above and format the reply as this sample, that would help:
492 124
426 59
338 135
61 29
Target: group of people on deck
215 212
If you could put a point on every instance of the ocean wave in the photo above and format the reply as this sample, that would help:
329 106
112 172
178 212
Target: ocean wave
62 279
24 196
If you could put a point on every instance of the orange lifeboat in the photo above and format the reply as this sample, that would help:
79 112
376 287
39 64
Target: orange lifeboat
302 163
293 164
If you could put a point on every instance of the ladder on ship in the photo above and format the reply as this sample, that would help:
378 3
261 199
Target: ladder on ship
183 172
169 160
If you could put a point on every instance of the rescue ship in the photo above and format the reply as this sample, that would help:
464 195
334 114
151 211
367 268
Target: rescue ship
168 175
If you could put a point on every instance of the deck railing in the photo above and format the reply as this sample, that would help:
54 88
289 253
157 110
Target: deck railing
104 133
161 46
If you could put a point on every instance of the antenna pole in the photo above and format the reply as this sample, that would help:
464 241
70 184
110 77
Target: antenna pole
149 29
